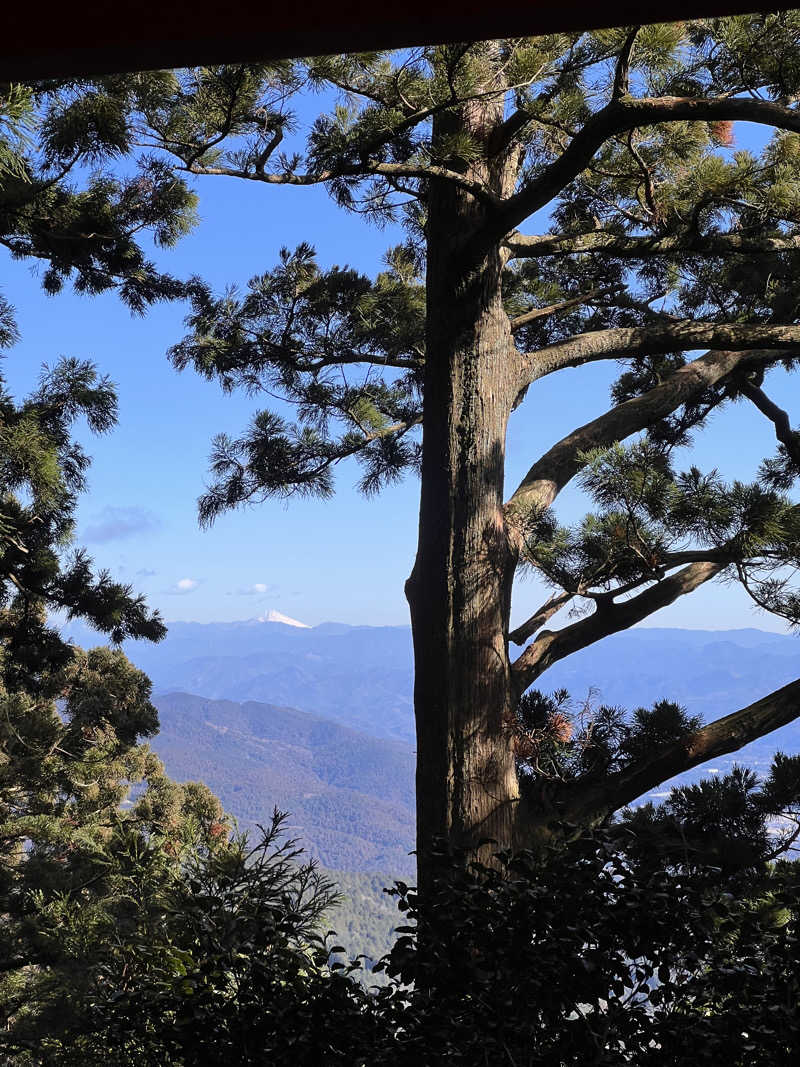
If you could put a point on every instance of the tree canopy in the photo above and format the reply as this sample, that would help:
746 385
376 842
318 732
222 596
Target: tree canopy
662 241
665 248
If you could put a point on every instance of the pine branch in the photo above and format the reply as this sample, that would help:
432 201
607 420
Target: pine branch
526 629
623 69
616 118
365 170
591 801
314 366
777 416
524 246
556 468
647 179
554 309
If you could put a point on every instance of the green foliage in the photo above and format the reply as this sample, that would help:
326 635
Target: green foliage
77 858
16 123
728 823
42 471
63 196
650 519
556 740
732 822
583 956
580 955
291 333
226 964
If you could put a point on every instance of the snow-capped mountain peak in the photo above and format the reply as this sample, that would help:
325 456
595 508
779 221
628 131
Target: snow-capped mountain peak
276 616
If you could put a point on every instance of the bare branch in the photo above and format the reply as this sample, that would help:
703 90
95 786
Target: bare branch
540 617
313 366
678 335
388 170
565 305
776 415
591 801
623 71
609 618
647 178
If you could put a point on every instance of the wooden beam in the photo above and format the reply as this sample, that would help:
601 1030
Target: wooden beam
52 40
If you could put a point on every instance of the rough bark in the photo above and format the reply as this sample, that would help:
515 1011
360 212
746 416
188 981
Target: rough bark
460 588
680 335
523 246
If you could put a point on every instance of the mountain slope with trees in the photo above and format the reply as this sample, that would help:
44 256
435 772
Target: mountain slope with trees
351 796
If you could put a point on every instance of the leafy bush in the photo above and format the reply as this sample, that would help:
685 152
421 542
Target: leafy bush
583 955
586 957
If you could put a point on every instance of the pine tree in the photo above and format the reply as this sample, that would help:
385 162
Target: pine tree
664 240
106 864
63 202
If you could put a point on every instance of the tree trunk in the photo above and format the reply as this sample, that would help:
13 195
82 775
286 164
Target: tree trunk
460 588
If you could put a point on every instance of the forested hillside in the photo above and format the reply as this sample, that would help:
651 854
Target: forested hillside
350 796
365 918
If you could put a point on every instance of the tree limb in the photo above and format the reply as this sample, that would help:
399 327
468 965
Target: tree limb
524 246
582 802
314 365
365 170
609 618
623 70
556 468
565 305
526 629
678 335
618 117
776 415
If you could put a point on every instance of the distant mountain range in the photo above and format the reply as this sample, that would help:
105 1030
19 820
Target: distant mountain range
343 766
362 676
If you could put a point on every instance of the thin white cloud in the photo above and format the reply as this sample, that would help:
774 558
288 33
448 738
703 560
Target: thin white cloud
256 589
119 524
183 586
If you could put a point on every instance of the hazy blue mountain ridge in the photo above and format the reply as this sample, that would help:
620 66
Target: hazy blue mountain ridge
362 676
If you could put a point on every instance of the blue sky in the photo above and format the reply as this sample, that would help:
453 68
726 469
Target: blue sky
344 559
